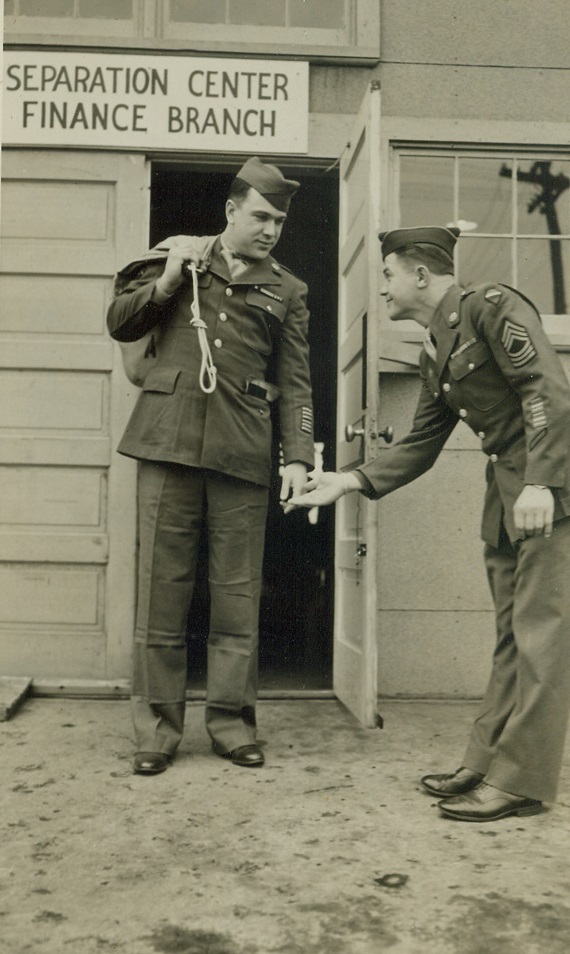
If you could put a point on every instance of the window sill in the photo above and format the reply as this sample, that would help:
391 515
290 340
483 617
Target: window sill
363 56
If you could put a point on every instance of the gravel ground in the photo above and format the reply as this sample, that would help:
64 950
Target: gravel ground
331 848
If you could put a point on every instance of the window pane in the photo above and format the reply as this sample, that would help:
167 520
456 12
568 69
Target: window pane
198 11
485 194
544 274
543 197
314 13
484 260
46 8
260 12
107 9
9 8
426 191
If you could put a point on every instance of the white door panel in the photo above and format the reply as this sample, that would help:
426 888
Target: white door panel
355 638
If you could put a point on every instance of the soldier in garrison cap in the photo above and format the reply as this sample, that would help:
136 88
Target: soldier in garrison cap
486 361
225 341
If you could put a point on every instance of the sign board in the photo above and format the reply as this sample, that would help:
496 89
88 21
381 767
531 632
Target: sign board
151 102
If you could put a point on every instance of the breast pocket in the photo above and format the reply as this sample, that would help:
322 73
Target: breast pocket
266 316
161 380
478 376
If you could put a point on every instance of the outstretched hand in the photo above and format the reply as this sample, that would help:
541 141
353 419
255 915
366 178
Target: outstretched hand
322 489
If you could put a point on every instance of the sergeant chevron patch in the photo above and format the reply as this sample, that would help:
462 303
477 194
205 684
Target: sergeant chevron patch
538 413
517 343
306 419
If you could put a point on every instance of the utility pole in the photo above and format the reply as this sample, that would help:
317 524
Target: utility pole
551 187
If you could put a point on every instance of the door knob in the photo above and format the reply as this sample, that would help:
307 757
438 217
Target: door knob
387 434
351 432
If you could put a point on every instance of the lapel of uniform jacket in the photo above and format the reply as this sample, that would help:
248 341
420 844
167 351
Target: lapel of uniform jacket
444 326
261 274
265 272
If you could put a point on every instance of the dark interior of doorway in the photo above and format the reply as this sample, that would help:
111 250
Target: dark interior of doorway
296 620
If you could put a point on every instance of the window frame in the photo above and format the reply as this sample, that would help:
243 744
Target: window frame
469 137
515 157
149 28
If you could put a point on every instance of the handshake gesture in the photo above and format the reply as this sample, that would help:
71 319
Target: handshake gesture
321 489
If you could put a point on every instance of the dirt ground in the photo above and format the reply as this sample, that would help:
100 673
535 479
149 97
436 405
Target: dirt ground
331 848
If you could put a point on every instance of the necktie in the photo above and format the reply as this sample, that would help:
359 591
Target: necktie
429 345
235 262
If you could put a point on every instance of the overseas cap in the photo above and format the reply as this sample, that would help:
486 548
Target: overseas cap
397 239
269 182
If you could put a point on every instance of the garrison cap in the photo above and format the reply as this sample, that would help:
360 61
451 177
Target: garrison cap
269 182
397 239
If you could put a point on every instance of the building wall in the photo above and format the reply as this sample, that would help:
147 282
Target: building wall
442 64
440 59
444 60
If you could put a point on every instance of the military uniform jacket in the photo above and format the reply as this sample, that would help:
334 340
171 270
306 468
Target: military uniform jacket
253 322
487 361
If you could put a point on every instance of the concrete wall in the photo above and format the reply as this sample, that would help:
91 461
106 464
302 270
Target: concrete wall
436 627
489 59
435 618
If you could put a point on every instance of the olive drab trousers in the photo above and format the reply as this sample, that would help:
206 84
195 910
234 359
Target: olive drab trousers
517 739
174 503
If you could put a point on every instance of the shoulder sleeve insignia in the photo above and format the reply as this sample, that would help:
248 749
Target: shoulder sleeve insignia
494 295
517 343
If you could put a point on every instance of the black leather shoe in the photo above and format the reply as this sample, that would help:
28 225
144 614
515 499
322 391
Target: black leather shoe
487 803
150 763
248 756
459 782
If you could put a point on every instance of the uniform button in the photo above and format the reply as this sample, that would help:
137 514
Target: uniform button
436 393
223 316
462 412
481 434
493 458
229 292
447 387
217 343
471 366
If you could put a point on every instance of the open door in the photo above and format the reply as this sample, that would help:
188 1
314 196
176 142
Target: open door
355 650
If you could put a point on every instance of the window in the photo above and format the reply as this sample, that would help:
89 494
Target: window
295 13
341 27
513 210
349 29
119 9
48 19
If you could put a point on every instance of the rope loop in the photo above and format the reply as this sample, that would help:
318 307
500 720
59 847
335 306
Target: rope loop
207 367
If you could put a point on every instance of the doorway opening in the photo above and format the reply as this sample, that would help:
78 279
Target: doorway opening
296 618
